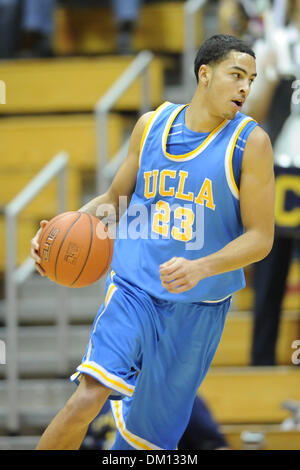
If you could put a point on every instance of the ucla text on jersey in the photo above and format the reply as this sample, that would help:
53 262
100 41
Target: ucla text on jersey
185 203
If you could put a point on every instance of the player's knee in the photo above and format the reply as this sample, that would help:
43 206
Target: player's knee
87 401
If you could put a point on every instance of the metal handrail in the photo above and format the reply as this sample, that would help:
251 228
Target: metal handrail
15 276
190 8
139 66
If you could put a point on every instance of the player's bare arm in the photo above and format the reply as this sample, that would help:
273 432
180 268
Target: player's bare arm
257 212
123 185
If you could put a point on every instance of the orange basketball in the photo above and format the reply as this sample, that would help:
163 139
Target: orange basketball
75 249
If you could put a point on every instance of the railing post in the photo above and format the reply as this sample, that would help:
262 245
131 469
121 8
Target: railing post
106 103
62 308
146 91
11 322
190 8
102 148
15 276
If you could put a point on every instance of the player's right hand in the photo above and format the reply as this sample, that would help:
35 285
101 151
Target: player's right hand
34 252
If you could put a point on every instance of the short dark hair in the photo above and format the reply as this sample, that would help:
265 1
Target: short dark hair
216 48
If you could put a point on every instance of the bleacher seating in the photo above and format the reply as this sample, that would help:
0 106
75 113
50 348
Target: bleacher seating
72 84
30 142
50 107
235 345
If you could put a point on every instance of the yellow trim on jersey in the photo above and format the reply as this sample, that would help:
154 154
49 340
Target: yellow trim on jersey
111 290
107 379
231 155
135 441
194 152
149 125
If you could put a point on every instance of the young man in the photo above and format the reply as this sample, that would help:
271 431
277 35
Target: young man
203 175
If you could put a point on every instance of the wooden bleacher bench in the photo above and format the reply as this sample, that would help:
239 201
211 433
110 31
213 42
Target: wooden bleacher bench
274 437
45 203
254 395
235 344
72 84
31 142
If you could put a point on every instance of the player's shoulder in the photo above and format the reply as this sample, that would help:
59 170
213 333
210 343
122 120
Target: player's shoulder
145 118
258 139
258 150
140 126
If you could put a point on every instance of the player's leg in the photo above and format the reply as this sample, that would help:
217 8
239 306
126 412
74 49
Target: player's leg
68 428
174 365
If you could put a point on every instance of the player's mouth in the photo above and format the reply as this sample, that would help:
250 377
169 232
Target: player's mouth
238 103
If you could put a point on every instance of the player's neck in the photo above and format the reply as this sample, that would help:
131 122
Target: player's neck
198 118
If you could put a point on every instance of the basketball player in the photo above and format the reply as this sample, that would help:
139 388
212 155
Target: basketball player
204 174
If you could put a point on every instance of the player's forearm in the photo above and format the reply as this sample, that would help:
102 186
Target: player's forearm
101 206
248 248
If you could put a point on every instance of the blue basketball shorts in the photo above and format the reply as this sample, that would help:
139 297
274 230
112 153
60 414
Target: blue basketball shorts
153 355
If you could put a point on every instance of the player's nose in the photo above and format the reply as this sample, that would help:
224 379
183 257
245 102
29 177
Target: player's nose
244 88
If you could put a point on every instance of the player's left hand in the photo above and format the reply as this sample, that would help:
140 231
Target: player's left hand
179 274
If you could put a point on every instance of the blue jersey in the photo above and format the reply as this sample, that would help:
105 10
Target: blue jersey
185 204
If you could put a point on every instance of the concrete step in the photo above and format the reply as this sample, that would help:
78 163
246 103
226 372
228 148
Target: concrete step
39 302
18 442
39 352
38 287
38 400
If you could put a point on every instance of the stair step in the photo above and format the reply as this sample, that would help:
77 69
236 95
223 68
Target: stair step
38 400
39 302
18 442
39 353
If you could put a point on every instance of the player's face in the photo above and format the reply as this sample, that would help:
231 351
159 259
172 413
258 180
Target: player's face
230 83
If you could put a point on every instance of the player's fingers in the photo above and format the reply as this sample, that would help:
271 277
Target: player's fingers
35 242
34 255
164 277
175 285
179 289
39 269
169 267
168 263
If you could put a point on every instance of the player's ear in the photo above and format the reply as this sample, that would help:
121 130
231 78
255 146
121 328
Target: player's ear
204 74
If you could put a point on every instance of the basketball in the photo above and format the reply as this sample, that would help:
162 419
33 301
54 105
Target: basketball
75 249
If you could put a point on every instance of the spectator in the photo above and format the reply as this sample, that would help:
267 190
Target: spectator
278 61
9 28
202 432
37 28
126 13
